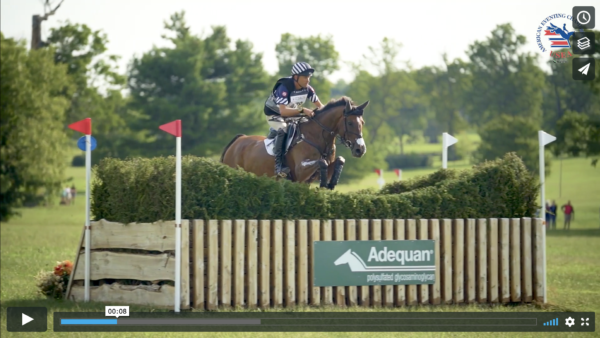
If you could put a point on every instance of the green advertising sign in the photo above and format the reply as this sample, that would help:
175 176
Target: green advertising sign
355 263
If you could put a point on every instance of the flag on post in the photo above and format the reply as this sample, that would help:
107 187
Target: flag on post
174 128
84 126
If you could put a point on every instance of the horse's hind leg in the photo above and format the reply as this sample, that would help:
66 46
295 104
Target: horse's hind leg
335 171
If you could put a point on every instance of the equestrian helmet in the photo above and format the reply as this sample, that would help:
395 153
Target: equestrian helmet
302 69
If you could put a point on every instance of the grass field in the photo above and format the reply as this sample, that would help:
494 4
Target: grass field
44 235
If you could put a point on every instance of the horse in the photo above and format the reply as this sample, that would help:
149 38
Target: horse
311 152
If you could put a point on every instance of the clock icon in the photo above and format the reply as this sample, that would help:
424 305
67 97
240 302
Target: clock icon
583 17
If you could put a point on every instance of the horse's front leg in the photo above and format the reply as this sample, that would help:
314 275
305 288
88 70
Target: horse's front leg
335 171
306 168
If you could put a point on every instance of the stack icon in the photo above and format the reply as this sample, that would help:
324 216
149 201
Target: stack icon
553 322
583 43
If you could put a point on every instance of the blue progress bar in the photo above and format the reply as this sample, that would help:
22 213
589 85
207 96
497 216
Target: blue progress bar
88 322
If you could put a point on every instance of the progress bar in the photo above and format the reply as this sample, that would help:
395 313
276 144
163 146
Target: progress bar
160 321
227 321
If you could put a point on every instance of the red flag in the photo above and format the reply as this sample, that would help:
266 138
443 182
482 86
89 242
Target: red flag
173 128
397 171
378 171
83 126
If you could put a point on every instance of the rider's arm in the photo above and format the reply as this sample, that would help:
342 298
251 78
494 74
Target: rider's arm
287 111
312 96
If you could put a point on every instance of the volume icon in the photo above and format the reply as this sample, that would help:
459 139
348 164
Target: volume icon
553 322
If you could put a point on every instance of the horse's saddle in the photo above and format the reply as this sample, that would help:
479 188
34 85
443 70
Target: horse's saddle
293 137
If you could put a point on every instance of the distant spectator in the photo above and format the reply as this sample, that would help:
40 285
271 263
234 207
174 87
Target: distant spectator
547 215
569 214
73 193
553 208
66 196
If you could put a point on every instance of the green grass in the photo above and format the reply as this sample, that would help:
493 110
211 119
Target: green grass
44 235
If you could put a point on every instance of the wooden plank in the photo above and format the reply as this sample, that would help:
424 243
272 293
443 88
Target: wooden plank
515 259
538 260
435 289
185 265
264 258
225 269
526 261
314 235
76 264
212 298
482 260
277 263
338 235
326 292
239 234
115 294
458 266
446 261
302 254
493 259
252 264
157 236
376 236
411 292
504 262
423 233
198 267
399 290
471 278
364 298
351 291
120 265
388 290
289 259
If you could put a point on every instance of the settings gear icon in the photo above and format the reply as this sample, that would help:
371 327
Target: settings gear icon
570 322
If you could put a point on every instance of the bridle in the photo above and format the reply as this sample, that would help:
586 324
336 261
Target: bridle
345 142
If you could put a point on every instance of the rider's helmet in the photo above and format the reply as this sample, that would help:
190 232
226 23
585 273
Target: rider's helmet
302 69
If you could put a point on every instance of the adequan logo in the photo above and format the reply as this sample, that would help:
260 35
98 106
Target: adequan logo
357 264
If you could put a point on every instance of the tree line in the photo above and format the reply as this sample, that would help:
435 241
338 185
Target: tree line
217 87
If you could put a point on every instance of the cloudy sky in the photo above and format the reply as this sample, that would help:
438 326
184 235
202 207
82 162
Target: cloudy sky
426 29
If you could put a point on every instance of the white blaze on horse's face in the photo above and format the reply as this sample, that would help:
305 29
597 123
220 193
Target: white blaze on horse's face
359 149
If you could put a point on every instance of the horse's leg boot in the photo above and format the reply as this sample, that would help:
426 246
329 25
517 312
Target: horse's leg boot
280 169
337 172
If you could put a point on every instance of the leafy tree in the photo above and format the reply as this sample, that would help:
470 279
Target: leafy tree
505 81
32 133
215 90
318 51
506 134
578 134
97 91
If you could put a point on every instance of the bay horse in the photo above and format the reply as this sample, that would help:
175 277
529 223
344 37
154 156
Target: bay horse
312 149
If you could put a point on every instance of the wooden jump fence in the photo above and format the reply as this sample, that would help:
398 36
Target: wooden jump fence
268 263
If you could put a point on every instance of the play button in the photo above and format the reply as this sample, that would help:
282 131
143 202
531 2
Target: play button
26 319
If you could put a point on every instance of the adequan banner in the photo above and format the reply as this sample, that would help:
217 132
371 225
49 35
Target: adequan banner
357 263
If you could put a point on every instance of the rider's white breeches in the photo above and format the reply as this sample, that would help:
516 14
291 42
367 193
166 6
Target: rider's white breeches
276 122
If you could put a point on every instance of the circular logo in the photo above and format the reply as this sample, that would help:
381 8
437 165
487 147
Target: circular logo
553 33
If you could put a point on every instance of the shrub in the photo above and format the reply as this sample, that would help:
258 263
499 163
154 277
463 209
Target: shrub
78 161
405 161
143 190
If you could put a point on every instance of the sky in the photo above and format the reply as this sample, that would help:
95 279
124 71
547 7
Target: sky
426 29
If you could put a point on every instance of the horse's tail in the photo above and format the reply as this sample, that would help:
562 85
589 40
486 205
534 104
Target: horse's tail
229 145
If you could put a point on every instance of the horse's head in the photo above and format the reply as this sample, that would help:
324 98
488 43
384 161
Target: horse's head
350 128
343 259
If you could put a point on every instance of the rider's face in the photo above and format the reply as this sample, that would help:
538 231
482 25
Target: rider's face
303 81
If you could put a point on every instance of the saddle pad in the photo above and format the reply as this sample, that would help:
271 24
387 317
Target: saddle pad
270 143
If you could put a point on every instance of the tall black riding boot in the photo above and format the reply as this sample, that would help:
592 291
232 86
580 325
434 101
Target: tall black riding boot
280 169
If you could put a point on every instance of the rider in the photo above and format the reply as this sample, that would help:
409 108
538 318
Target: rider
286 100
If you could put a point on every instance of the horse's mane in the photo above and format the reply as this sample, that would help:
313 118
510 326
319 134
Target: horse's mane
334 103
